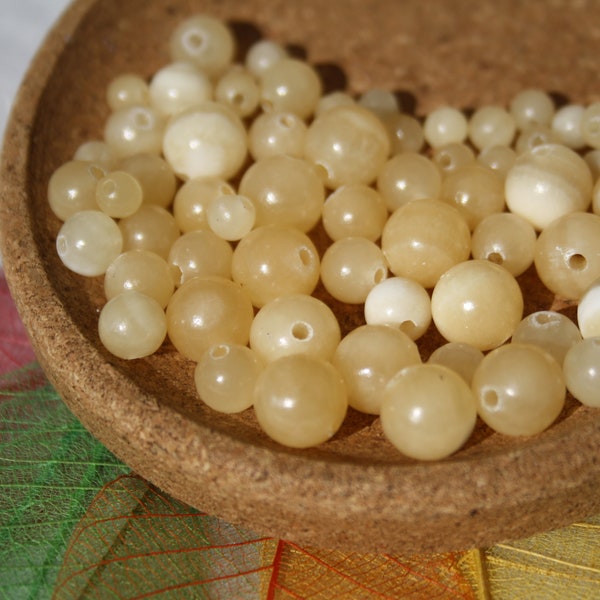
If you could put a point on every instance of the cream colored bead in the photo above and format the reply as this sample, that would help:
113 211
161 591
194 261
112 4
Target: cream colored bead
566 123
596 198
238 89
462 358
332 100
588 311
127 89
532 107
263 54
155 176
582 371
134 130
96 151
231 216
452 157
491 126
445 125
382 103
406 133
277 133
498 158
590 125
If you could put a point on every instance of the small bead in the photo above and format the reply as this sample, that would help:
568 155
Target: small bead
275 133
596 198
134 130
535 135
582 371
445 125
592 159
461 358
406 133
452 157
238 89
263 54
155 176
231 216
96 151
119 194
127 89
566 124
332 100
380 102
491 126
498 158
532 107
588 311
590 125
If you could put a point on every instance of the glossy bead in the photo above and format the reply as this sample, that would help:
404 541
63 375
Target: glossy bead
549 330
477 302
547 182
300 401
406 133
295 324
588 311
349 143
208 140
134 130
262 54
566 124
380 102
132 325
125 90
200 254
399 302
590 125
206 311
96 151
423 239
332 100
535 135
351 267
519 389
88 242
428 412
567 254
505 239
445 125
273 261
581 368
368 357
140 271
155 176
596 198
408 176
498 158
119 194
354 210
231 216
276 133
491 126
238 89
592 159
452 157
285 191
225 377
532 107
461 358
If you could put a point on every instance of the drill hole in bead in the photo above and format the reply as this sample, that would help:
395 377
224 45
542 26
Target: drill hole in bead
96 172
220 351
544 318
379 275
496 258
305 256
109 188
285 121
577 262
409 328
490 400
302 331
194 42
142 120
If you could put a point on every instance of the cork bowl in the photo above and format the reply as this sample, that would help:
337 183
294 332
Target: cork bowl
355 492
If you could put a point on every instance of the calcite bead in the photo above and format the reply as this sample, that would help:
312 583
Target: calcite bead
127 89
452 157
428 411
581 368
596 198
368 357
423 239
349 143
566 124
300 401
445 125
532 107
520 389
263 54
119 194
333 99
498 158
592 160
567 254
155 176
590 125
477 302
135 130
461 358
535 135
238 89
380 102
231 216
275 133
96 151
406 133
547 182
491 126
588 311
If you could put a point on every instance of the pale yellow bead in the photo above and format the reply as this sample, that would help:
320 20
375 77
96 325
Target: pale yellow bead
238 89
451 157
119 194
154 175
127 89
498 158
406 133
532 107
491 126
380 102
96 151
462 358
582 371
262 54
134 130
276 133
332 100
445 125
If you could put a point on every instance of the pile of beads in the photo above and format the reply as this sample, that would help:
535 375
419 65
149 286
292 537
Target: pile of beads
200 208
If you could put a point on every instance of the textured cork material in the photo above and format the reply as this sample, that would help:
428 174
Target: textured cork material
355 492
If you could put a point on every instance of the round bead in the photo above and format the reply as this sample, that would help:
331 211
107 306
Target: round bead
445 125
263 54
206 311
88 242
428 412
349 143
546 183
119 194
491 126
406 133
276 133
592 159
567 254
332 100
532 107
132 325
231 216
477 302
519 389
134 130
452 157
368 357
125 90
590 125
273 261
154 175
566 124
351 267
423 239
596 198
226 376
238 89
582 371
498 158
295 324
300 401
535 135
96 151
208 140
461 358
401 303
380 102
588 311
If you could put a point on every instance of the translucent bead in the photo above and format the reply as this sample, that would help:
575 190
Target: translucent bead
119 194
226 376
498 158
519 389
477 302
582 371
547 182
491 126
200 253
399 302
290 85
273 261
285 191
368 357
179 86
380 102
295 324
332 100
132 325
445 125
155 176
263 54
238 89
351 267
96 151
408 176
423 239
88 241
300 401
590 125
549 330
596 198
592 159
406 133
588 311
134 130
535 135
505 239
461 358
532 107
208 140
275 133
125 90
355 210
476 191
140 271
452 157
428 412
349 143
206 311
151 228
205 41
567 254
193 198
566 124
72 187
231 216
